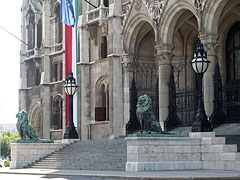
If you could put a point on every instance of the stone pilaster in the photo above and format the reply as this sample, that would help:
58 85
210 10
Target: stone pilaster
115 50
164 57
23 87
127 78
84 81
210 47
45 87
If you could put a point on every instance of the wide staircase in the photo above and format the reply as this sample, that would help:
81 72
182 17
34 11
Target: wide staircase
230 131
88 155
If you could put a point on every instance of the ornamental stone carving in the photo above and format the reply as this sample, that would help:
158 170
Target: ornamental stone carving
155 8
138 5
199 5
93 32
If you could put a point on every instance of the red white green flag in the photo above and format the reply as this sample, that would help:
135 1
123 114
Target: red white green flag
69 16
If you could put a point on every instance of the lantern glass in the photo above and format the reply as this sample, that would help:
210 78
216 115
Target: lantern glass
200 61
70 86
200 65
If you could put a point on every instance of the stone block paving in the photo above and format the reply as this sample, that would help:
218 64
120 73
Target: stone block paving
156 175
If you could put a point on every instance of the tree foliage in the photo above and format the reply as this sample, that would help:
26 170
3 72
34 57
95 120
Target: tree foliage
5 139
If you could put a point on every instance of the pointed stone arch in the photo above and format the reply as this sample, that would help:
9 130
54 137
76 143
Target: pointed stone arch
102 99
131 30
211 22
167 26
35 118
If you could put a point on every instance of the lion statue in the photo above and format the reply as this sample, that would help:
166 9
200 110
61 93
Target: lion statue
24 128
145 115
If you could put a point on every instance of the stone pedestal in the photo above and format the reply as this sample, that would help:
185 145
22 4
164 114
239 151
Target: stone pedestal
197 152
23 154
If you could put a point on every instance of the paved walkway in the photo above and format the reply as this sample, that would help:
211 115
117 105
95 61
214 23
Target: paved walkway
159 175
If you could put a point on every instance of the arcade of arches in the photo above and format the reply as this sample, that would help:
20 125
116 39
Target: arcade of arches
184 30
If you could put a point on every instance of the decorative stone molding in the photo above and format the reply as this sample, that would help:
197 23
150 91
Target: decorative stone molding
164 58
138 5
199 6
155 8
93 32
129 66
211 49
104 26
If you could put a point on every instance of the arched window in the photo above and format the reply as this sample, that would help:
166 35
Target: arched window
37 77
39 33
233 53
106 3
102 104
103 47
31 30
57 113
59 29
103 95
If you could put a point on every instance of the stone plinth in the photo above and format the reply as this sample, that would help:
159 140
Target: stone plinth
23 154
199 151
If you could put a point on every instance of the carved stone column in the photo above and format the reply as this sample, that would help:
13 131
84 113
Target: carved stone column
128 76
164 58
210 47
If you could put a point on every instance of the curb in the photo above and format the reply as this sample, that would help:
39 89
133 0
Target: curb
123 177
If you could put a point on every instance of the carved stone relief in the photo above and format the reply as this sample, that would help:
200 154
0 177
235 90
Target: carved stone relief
138 5
155 8
93 31
199 5
104 26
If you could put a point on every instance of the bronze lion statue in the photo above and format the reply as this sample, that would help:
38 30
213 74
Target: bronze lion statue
24 128
146 116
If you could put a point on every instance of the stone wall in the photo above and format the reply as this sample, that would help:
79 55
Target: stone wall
23 154
99 130
199 151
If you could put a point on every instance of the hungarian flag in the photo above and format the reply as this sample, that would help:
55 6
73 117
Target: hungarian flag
69 16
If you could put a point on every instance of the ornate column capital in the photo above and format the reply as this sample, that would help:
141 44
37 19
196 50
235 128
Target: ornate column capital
164 58
210 44
211 49
128 64
164 54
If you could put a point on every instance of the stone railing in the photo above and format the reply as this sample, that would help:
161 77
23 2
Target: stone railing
32 53
95 15
57 47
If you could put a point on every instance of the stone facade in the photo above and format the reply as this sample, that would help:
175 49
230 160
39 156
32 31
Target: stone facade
119 40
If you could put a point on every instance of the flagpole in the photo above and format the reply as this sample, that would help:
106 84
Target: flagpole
90 3
13 35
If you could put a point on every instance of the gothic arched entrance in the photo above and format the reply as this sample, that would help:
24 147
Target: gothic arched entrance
35 120
145 66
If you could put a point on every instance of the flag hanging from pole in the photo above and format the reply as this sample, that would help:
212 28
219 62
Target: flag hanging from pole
69 16
67 13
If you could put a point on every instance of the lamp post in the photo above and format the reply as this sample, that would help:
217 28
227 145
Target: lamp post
70 88
200 66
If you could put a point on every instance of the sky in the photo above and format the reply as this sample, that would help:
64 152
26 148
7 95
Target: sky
10 19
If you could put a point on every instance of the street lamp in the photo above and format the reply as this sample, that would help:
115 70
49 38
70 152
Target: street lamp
70 88
200 64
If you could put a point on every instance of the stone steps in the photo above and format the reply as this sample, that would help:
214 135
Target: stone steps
230 131
88 155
